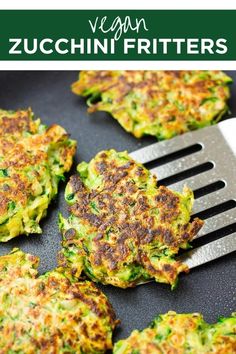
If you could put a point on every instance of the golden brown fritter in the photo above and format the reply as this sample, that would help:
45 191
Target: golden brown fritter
159 103
181 334
123 229
33 159
50 314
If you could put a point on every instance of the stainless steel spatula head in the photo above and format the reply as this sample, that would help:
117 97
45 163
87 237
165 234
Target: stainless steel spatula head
205 161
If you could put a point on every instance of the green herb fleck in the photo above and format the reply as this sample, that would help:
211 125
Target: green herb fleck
94 207
11 205
70 196
3 172
209 99
61 178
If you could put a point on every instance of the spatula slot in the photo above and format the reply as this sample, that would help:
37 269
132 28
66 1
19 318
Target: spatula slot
174 156
213 187
217 209
186 174
211 236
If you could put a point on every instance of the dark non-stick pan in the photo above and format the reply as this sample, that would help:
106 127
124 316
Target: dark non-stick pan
209 289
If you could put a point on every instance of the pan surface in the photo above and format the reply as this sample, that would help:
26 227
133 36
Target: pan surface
209 289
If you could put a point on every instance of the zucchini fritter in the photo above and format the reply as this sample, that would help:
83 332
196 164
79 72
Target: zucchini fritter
123 229
159 103
181 334
50 314
33 159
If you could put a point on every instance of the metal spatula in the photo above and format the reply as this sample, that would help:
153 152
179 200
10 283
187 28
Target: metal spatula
205 161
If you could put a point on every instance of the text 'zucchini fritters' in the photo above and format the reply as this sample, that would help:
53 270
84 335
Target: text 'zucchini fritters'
159 103
181 334
123 228
33 159
49 314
